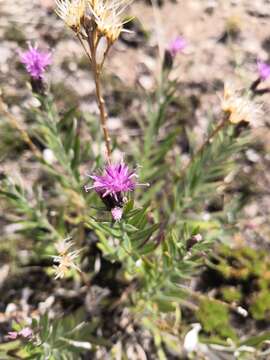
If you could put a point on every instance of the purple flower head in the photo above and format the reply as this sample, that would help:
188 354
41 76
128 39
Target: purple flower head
25 333
263 70
112 185
12 335
177 45
35 61
115 180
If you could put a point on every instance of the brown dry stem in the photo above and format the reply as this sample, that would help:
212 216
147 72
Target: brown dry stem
93 41
96 68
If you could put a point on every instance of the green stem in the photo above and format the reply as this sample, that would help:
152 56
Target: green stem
201 149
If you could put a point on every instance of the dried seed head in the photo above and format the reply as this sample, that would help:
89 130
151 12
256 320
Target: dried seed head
65 259
71 12
108 16
239 108
63 246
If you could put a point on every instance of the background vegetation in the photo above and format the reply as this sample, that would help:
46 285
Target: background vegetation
191 248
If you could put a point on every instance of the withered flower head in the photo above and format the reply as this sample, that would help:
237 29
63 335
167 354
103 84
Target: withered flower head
108 16
71 12
239 107
65 259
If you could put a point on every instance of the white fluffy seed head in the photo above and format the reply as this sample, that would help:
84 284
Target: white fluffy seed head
71 12
108 16
239 107
65 259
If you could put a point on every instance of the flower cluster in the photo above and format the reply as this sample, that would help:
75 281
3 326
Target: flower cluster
71 12
112 185
65 259
106 15
35 61
25 333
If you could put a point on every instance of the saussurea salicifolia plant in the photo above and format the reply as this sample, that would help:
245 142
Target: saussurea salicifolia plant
144 217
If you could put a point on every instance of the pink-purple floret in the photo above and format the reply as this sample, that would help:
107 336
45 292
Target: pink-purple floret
263 70
35 61
116 179
117 213
25 333
177 45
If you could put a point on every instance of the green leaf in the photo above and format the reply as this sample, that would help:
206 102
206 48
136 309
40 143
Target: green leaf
144 234
256 340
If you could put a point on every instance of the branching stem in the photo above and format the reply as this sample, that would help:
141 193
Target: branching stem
202 297
219 127
84 48
210 137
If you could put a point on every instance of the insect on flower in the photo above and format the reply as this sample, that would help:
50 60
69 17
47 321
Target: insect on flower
65 259
113 184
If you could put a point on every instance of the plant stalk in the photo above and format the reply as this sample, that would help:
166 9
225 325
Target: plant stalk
219 127
96 68
103 114
210 137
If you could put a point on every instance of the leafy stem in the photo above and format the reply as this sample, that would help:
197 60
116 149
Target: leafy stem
201 149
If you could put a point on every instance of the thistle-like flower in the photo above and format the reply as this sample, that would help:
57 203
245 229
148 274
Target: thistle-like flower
239 108
116 181
71 12
108 16
35 61
177 45
263 70
65 259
